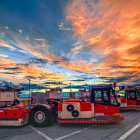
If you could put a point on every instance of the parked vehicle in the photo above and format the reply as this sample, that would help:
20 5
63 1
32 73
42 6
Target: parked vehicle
131 98
101 107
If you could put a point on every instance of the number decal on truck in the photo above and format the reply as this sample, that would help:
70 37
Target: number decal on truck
99 114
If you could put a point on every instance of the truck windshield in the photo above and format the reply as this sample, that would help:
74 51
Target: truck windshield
103 96
138 93
131 94
113 99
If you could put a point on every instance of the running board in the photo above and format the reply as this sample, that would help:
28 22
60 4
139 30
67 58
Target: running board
91 120
129 108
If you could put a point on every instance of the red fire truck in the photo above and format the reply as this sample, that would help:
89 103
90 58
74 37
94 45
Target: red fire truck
14 116
101 107
10 113
131 98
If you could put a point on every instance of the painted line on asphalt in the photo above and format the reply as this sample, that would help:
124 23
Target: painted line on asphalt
68 135
41 133
73 133
124 136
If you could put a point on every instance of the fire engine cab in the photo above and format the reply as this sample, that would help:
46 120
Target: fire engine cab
131 98
101 107
11 112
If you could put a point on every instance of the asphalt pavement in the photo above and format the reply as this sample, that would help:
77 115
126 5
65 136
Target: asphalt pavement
128 129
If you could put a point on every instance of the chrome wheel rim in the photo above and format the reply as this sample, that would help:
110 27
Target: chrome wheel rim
39 117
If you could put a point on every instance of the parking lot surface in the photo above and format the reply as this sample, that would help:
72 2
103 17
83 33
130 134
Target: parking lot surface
128 129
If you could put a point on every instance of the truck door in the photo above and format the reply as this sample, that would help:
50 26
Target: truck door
138 98
101 106
114 109
131 97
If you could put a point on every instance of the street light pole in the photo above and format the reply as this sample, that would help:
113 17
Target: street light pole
94 80
70 88
29 93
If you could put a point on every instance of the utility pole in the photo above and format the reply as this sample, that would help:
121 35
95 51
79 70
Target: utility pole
94 80
29 102
70 88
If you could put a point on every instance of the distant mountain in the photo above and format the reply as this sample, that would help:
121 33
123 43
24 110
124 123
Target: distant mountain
4 84
32 86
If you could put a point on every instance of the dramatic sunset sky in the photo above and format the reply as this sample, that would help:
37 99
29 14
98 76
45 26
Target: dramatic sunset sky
70 41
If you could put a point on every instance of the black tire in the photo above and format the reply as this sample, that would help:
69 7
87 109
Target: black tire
43 112
70 108
75 113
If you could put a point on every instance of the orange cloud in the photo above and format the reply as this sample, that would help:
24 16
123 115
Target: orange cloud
21 71
77 49
4 61
50 57
2 43
41 73
111 29
3 55
40 39
78 66
42 53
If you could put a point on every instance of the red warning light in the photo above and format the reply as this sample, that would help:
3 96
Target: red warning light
115 84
